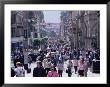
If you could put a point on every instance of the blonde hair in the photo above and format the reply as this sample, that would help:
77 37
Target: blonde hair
19 64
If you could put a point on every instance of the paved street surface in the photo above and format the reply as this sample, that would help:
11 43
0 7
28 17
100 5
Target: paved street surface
90 74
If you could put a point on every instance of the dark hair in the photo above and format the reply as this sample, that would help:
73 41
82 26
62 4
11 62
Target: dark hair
82 60
53 68
39 62
49 59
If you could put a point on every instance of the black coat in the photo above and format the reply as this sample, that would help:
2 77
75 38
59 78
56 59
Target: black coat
39 72
33 57
12 73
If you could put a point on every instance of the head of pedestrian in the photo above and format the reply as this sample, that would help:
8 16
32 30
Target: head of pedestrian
50 54
39 64
82 60
85 59
45 57
53 68
60 61
75 58
18 64
49 59
17 57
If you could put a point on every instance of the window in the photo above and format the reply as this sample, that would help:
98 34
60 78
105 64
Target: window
12 32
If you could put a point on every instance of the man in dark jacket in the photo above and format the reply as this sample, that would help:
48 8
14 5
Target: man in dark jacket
12 73
39 71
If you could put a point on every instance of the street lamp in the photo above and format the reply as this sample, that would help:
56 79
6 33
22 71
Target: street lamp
28 21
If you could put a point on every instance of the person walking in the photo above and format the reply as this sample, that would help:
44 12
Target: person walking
60 68
44 62
17 59
86 65
69 68
81 67
26 59
22 58
29 60
75 64
19 71
39 71
52 72
48 65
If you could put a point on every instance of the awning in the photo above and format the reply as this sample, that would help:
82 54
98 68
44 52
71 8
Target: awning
16 39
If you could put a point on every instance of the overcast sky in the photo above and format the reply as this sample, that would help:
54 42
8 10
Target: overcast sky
52 16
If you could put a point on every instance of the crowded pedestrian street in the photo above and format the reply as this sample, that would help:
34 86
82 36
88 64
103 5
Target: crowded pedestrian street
64 74
61 46
54 61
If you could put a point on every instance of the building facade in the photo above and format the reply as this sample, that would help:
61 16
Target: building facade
25 25
81 27
16 29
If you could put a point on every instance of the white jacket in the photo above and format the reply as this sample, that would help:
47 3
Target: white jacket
19 72
60 66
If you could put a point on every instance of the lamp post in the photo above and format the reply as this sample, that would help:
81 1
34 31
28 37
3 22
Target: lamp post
28 21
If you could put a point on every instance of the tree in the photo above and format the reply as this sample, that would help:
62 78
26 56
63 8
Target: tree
39 41
36 42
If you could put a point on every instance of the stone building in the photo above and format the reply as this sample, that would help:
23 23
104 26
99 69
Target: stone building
82 28
38 23
25 25
64 25
16 29
90 22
